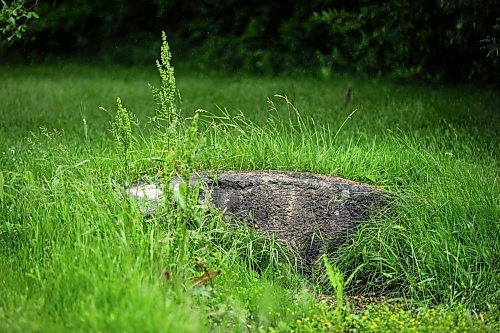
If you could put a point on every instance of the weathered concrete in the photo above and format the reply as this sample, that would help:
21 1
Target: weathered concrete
312 213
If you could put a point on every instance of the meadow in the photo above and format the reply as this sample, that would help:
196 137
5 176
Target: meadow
76 255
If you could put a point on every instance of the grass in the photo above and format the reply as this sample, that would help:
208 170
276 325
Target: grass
76 256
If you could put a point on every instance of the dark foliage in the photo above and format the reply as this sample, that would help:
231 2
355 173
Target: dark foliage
426 39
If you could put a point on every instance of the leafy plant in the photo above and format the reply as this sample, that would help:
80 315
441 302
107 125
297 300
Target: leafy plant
14 18
179 137
168 113
122 132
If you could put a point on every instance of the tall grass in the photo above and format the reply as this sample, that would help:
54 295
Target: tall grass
76 254
443 242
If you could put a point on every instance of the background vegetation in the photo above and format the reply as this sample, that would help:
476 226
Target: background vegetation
427 39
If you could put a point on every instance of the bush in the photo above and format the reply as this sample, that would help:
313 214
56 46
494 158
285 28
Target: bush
407 39
426 39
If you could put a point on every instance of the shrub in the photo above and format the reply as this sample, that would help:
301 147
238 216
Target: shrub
427 39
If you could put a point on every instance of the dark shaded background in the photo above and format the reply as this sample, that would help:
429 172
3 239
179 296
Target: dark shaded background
403 39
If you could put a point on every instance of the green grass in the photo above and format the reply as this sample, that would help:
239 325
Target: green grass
76 256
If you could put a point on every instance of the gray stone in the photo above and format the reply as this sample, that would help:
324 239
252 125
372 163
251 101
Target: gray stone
148 196
311 213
